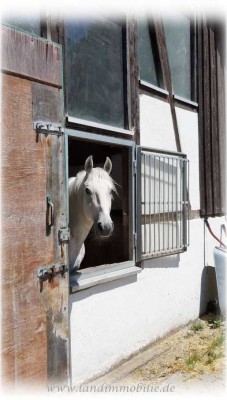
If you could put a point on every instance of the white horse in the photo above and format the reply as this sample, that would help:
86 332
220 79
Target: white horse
90 195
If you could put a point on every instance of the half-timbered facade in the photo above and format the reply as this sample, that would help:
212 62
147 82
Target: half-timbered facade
149 94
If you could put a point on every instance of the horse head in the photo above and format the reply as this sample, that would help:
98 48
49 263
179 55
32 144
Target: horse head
98 188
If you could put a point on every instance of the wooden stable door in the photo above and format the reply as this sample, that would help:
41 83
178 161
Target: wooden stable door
34 235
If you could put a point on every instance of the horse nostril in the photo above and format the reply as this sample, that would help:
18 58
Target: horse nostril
100 226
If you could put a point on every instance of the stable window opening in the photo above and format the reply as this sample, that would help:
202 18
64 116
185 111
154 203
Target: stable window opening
116 251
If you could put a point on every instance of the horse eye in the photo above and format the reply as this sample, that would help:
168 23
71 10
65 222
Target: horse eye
87 190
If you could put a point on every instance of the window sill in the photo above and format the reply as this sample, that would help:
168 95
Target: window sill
81 282
185 102
102 127
153 89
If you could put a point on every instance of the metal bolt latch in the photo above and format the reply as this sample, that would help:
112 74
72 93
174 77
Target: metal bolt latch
64 235
50 271
48 128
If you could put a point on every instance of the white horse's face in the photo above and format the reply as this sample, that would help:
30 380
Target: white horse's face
97 197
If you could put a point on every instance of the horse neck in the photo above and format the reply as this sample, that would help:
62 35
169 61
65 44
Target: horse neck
79 224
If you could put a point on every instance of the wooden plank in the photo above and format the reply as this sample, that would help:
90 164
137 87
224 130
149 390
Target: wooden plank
31 57
207 121
55 297
133 78
220 54
210 128
23 239
35 333
215 156
202 175
167 76
46 103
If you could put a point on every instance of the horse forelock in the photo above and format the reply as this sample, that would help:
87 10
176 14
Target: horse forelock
98 176
95 176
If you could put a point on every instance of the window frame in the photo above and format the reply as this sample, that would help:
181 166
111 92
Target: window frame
167 92
157 61
74 122
93 276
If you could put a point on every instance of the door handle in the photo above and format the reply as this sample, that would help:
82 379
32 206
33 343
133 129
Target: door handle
50 213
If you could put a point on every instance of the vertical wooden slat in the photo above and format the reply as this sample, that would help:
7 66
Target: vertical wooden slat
211 198
47 105
55 295
207 121
214 125
133 76
202 174
24 341
167 76
220 34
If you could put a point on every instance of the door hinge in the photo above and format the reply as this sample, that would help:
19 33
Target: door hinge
64 235
50 271
135 167
48 128
135 239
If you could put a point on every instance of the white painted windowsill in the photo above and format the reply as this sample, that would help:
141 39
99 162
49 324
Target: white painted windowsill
77 284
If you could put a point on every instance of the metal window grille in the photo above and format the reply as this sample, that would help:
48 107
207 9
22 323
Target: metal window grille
164 207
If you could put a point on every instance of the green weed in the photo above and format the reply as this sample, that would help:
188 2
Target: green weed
192 360
197 326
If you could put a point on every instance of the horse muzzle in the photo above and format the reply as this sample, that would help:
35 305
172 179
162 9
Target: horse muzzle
105 229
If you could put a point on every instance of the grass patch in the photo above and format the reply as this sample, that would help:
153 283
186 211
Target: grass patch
214 322
218 341
197 326
196 349
207 357
214 352
192 360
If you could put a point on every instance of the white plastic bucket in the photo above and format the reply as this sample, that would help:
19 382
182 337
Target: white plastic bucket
220 263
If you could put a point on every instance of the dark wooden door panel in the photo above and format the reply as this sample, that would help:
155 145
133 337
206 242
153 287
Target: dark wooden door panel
35 317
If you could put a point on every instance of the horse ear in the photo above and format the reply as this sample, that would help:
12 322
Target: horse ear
108 165
88 164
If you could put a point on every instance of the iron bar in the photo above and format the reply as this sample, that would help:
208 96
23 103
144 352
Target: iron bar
165 201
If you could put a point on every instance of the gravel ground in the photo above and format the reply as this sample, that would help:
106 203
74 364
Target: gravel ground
191 359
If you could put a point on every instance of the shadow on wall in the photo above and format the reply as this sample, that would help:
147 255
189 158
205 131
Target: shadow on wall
163 262
104 287
208 290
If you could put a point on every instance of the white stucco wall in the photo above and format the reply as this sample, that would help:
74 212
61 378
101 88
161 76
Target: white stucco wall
156 128
187 122
112 321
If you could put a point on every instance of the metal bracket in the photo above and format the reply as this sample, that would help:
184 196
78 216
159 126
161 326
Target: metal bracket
50 271
135 239
48 128
64 235
135 167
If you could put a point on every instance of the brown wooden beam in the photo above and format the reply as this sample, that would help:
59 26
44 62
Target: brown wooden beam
167 75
